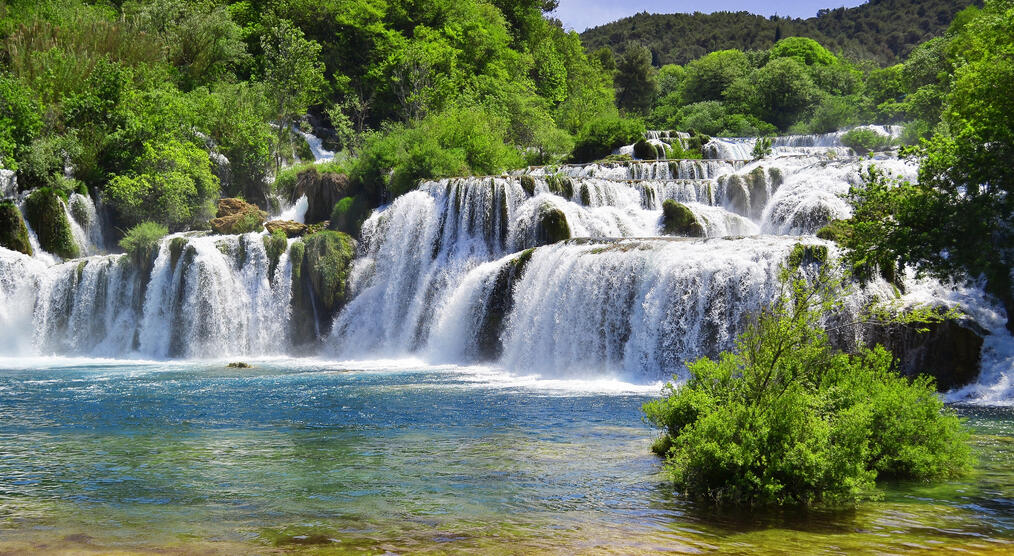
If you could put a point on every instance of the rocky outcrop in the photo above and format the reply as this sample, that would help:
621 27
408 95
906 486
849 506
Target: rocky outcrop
950 351
679 220
323 190
551 225
287 227
13 232
499 305
236 216
45 214
645 150
320 270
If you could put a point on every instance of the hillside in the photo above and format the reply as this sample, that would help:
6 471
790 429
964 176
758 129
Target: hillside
881 30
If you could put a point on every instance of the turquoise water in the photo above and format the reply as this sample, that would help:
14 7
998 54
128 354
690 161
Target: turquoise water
397 456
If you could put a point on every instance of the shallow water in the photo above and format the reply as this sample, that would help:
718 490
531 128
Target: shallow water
397 456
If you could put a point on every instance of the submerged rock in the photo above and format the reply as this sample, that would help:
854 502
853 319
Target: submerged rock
288 227
45 214
239 365
679 220
13 232
236 216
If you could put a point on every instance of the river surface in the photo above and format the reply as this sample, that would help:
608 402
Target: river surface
401 457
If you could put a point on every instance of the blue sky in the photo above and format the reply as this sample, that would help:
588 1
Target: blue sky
581 14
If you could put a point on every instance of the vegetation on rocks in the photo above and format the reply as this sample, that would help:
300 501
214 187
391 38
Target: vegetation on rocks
236 216
13 232
141 241
551 225
326 262
349 214
45 214
679 220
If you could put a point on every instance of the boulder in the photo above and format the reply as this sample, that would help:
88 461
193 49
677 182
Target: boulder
287 227
950 351
13 232
323 190
45 214
645 151
679 220
236 216
551 225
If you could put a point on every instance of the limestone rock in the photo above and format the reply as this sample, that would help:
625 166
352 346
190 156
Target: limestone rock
287 227
13 232
236 216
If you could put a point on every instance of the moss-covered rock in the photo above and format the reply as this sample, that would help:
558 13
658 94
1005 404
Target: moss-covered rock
274 245
176 247
289 228
679 220
551 225
45 214
528 184
807 254
585 195
349 214
949 351
561 185
499 305
320 270
13 232
236 216
645 150
322 190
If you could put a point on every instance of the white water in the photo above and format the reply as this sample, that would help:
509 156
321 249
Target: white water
430 282
296 212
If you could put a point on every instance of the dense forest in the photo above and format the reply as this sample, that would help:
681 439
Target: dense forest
881 30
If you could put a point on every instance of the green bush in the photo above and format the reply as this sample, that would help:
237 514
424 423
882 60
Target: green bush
171 181
603 135
866 140
19 120
141 241
785 419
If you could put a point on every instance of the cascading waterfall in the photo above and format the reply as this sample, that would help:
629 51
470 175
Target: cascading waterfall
448 272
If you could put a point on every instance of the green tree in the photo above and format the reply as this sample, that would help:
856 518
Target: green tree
636 86
708 77
293 72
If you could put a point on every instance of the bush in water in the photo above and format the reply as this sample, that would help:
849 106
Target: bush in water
785 419
140 241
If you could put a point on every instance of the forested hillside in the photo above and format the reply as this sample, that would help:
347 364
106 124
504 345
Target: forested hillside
881 30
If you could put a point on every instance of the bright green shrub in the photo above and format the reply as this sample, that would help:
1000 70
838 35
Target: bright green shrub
603 135
141 241
803 49
785 419
172 181
866 140
19 120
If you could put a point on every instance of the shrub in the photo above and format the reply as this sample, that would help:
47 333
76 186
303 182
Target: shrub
603 135
785 419
140 241
172 180
19 120
864 140
762 147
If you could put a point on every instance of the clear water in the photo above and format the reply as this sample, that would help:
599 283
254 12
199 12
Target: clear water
401 457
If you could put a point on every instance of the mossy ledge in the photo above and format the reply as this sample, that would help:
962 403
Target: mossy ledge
320 269
45 214
13 232
679 220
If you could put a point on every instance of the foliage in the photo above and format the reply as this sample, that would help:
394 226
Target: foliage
761 148
601 136
349 214
635 81
171 183
140 241
19 120
864 140
785 419
872 30
327 260
458 141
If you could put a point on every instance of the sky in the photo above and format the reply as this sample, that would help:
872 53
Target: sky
582 14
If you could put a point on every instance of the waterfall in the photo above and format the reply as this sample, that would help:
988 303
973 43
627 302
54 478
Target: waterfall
206 296
455 272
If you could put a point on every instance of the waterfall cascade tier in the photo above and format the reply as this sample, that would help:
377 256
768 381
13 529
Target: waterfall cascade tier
459 271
